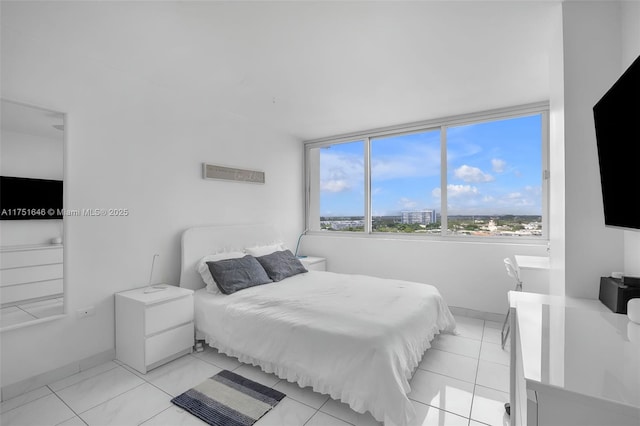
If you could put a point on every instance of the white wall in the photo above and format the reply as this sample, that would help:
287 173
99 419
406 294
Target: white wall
137 145
557 205
31 156
594 43
592 48
469 275
630 51
585 60
37 157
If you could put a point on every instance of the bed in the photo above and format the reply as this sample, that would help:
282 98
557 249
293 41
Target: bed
356 338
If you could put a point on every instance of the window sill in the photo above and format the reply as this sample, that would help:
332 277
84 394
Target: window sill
533 241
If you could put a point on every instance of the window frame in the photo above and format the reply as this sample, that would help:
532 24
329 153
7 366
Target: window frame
441 124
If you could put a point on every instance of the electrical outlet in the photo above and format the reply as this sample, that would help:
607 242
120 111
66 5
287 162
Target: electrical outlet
86 312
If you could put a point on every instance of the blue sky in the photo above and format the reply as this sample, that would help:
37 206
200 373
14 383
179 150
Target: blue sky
492 168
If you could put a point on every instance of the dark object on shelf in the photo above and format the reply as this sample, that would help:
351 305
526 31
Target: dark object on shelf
507 408
615 295
631 281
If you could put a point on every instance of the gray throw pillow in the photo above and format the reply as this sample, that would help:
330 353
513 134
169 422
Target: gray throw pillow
281 264
232 275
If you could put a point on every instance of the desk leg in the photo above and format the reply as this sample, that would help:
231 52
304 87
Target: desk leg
512 367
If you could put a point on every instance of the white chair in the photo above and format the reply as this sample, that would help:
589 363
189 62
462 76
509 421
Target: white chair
514 272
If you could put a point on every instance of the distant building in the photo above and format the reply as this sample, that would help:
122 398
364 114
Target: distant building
422 217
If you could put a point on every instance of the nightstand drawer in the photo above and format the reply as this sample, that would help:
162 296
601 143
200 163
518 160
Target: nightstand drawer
168 314
168 343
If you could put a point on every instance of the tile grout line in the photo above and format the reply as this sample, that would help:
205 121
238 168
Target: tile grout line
331 415
455 353
106 400
222 368
439 408
312 416
161 390
476 385
477 359
28 402
155 386
273 386
473 396
157 414
447 376
475 382
55 392
304 403
335 417
67 405
144 378
171 396
79 381
316 410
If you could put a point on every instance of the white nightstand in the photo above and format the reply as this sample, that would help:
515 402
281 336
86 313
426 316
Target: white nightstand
314 263
153 328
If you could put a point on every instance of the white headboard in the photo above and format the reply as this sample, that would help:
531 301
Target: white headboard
200 241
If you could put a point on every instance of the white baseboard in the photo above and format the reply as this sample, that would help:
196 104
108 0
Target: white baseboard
35 382
472 313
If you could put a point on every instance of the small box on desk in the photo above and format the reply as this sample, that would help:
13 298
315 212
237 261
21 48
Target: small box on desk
615 295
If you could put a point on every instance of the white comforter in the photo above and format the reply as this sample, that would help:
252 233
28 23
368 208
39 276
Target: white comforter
354 337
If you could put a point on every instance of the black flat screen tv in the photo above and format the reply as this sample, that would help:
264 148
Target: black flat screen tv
30 199
617 125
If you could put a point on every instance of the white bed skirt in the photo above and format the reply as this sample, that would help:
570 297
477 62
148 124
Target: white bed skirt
353 337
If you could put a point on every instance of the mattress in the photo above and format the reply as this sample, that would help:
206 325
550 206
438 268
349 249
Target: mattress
356 338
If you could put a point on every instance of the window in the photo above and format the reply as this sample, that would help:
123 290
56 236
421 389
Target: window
473 176
340 184
494 177
405 172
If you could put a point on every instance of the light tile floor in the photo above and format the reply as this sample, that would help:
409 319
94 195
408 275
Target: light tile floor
462 380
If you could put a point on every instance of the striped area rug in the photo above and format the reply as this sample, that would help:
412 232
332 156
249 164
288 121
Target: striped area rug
228 399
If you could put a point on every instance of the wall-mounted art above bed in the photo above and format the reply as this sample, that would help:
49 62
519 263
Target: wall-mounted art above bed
213 171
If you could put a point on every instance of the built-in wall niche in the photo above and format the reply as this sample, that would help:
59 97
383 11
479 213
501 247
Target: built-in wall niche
32 166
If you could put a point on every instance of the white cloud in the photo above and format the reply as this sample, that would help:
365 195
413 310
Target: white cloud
340 172
534 190
420 161
461 190
468 199
407 204
516 202
525 202
459 145
472 174
498 165
335 185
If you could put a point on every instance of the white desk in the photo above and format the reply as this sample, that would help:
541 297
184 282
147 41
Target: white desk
532 262
534 273
573 363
